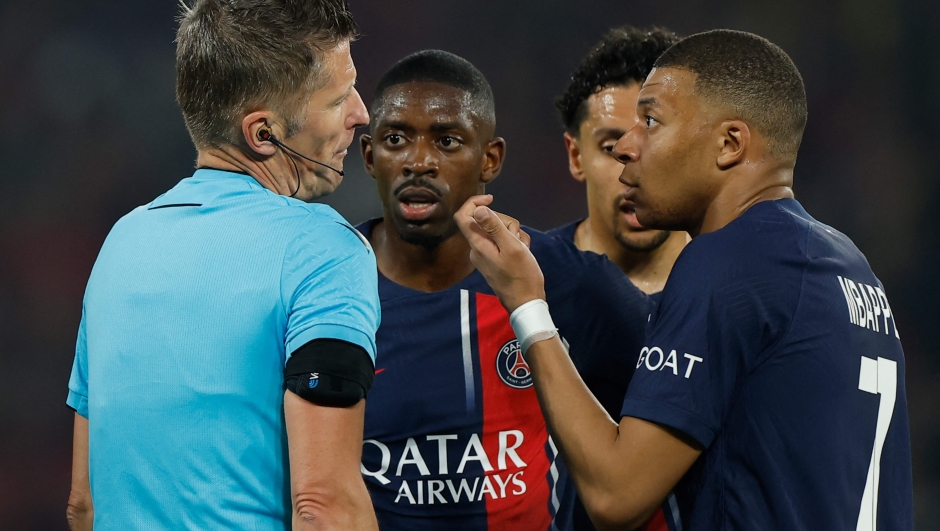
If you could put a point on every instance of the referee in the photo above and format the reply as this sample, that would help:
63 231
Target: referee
207 303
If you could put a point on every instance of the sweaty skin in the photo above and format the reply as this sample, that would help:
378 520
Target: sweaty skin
430 150
689 165
680 160
645 255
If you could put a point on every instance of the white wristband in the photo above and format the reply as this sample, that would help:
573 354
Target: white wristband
532 323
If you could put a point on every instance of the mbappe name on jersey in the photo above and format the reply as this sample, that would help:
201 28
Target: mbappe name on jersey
868 306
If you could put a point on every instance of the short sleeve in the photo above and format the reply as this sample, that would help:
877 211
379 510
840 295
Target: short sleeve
78 381
723 310
330 286
678 382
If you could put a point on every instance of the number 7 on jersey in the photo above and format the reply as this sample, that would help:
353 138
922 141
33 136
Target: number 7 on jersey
878 377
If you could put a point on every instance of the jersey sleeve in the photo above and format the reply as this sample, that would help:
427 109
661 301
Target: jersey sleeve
678 383
721 314
78 381
330 286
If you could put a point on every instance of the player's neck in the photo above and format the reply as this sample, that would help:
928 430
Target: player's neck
418 267
741 193
648 270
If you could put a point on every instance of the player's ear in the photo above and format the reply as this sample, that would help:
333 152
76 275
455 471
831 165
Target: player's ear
574 157
252 124
734 139
365 145
493 156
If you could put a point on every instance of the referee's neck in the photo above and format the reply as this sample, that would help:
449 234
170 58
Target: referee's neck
230 158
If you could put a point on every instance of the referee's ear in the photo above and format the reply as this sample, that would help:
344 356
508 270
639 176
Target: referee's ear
252 125
494 153
365 145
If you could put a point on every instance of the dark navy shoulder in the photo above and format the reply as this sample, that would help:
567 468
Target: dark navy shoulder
563 264
768 235
566 231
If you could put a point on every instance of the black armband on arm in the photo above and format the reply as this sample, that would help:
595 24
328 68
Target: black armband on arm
330 372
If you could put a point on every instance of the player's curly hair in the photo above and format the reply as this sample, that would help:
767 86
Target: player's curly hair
625 55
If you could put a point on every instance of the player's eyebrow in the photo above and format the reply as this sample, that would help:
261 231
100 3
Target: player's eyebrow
647 102
446 126
395 124
606 132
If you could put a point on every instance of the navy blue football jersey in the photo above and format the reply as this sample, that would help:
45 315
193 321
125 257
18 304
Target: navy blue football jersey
454 435
775 348
566 233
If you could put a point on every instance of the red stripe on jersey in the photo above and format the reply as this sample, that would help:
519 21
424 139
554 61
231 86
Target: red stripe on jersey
514 431
657 522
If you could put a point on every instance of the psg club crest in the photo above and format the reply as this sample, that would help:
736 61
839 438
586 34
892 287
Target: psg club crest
511 367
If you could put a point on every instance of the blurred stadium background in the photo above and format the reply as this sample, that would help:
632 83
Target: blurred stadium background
91 130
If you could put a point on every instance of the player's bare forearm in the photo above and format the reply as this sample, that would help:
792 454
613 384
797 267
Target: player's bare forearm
80 511
583 431
325 445
622 472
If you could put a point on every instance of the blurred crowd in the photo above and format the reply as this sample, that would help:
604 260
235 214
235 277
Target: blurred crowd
91 130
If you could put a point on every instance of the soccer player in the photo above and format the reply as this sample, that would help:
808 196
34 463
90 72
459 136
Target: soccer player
454 435
598 107
770 393
206 303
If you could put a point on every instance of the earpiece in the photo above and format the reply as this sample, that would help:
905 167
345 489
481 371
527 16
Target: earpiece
265 136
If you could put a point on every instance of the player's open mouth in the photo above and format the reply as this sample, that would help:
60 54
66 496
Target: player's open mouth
418 204
628 208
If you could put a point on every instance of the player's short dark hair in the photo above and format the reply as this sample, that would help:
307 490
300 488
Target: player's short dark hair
232 55
752 76
625 55
438 66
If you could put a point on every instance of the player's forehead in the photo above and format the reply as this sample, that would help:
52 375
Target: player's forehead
667 88
424 104
611 107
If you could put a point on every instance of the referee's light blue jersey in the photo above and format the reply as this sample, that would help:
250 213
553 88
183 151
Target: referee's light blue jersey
192 309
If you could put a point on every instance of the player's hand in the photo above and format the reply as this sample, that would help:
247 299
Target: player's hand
504 260
514 228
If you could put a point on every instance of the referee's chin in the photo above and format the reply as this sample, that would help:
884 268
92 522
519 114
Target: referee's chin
324 182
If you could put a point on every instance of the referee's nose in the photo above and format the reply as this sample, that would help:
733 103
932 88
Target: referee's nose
359 114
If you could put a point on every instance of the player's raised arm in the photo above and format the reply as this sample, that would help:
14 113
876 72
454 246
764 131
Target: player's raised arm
623 473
